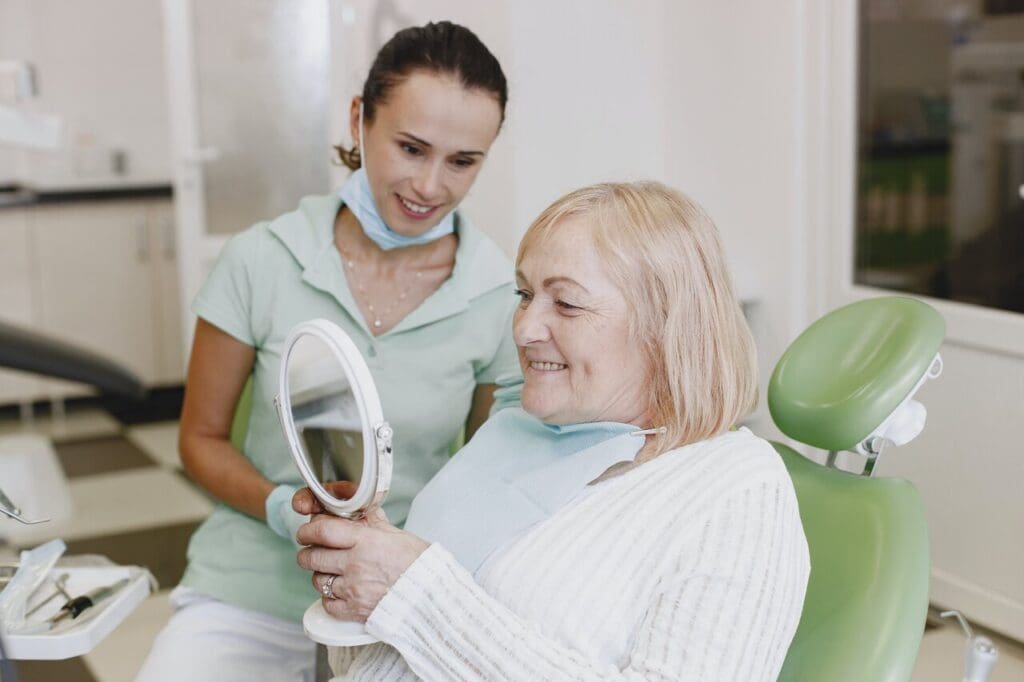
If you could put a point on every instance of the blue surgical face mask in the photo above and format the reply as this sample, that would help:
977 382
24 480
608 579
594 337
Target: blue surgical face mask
358 197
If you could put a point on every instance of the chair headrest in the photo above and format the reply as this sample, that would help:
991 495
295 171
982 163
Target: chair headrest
847 374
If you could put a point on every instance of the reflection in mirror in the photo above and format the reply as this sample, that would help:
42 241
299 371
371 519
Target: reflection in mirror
325 413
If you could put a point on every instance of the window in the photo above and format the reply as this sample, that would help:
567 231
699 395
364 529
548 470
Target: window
940 205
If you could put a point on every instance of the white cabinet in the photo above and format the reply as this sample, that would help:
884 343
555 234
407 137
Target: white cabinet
100 275
96 285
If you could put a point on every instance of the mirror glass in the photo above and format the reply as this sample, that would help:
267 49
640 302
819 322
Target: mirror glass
325 414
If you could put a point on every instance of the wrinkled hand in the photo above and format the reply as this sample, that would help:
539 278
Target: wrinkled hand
367 555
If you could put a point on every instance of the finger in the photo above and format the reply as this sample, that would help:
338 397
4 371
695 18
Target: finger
323 560
327 530
304 502
343 490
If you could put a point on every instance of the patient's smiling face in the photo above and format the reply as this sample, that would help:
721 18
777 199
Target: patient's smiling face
572 330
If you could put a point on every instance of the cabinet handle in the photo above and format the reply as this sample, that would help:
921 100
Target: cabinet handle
170 247
142 241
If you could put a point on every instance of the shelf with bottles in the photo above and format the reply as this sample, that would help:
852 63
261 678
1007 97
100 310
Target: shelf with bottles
903 216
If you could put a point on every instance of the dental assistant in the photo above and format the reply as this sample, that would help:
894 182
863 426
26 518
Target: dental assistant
425 295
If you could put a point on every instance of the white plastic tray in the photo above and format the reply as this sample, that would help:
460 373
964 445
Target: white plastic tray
79 636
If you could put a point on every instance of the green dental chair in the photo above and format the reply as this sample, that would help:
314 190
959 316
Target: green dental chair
847 383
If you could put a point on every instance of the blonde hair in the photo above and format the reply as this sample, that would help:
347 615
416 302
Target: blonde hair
663 252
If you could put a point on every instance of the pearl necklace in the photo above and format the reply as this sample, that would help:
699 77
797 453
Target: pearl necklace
379 316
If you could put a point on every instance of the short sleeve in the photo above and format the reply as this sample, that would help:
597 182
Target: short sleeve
509 393
505 360
226 298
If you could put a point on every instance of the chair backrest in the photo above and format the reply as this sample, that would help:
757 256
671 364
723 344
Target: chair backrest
867 596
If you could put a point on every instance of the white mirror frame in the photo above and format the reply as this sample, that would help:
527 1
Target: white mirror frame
377 434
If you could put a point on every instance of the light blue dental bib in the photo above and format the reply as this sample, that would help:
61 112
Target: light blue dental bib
516 472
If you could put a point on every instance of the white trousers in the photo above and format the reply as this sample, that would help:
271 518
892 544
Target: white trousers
208 640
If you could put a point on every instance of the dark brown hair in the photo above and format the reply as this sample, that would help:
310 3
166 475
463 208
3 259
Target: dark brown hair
441 48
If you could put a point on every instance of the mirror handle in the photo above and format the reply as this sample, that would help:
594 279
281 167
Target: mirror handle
384 437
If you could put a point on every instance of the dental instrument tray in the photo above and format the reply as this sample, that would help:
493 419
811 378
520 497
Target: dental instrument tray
75 637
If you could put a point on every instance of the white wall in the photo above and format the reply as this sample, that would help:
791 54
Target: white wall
694 94
969 467
734 145
590 98
100 67
14 41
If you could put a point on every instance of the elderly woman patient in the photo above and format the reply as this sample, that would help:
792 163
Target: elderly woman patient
615 527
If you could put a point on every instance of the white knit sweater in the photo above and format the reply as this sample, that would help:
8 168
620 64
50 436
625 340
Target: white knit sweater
692 566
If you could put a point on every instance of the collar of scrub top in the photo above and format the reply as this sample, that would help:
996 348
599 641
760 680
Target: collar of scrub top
308 234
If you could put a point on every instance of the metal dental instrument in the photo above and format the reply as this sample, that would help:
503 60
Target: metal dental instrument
60 591
12 510
76 606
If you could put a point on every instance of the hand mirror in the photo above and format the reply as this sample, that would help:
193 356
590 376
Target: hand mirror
332 419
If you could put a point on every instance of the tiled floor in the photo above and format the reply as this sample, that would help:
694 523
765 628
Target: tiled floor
133 505
76 425
159 441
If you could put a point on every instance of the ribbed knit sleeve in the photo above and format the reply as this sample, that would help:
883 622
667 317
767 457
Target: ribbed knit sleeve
725 611
340 658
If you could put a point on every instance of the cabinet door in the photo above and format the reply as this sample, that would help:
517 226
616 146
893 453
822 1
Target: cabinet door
167 308
95 279
16 297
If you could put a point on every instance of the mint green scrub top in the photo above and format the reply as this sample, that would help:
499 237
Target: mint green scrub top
277 274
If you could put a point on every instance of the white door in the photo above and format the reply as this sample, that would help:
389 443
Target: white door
249 83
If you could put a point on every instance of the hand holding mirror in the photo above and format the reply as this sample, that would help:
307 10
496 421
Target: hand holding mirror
332 419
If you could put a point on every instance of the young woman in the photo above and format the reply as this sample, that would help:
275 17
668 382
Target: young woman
426 296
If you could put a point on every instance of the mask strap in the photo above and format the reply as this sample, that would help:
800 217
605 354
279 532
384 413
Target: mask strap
659 431
362 147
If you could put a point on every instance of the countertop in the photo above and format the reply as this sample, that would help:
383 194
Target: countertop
16 195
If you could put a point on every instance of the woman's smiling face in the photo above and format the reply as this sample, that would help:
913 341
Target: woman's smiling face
424 147
572 329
